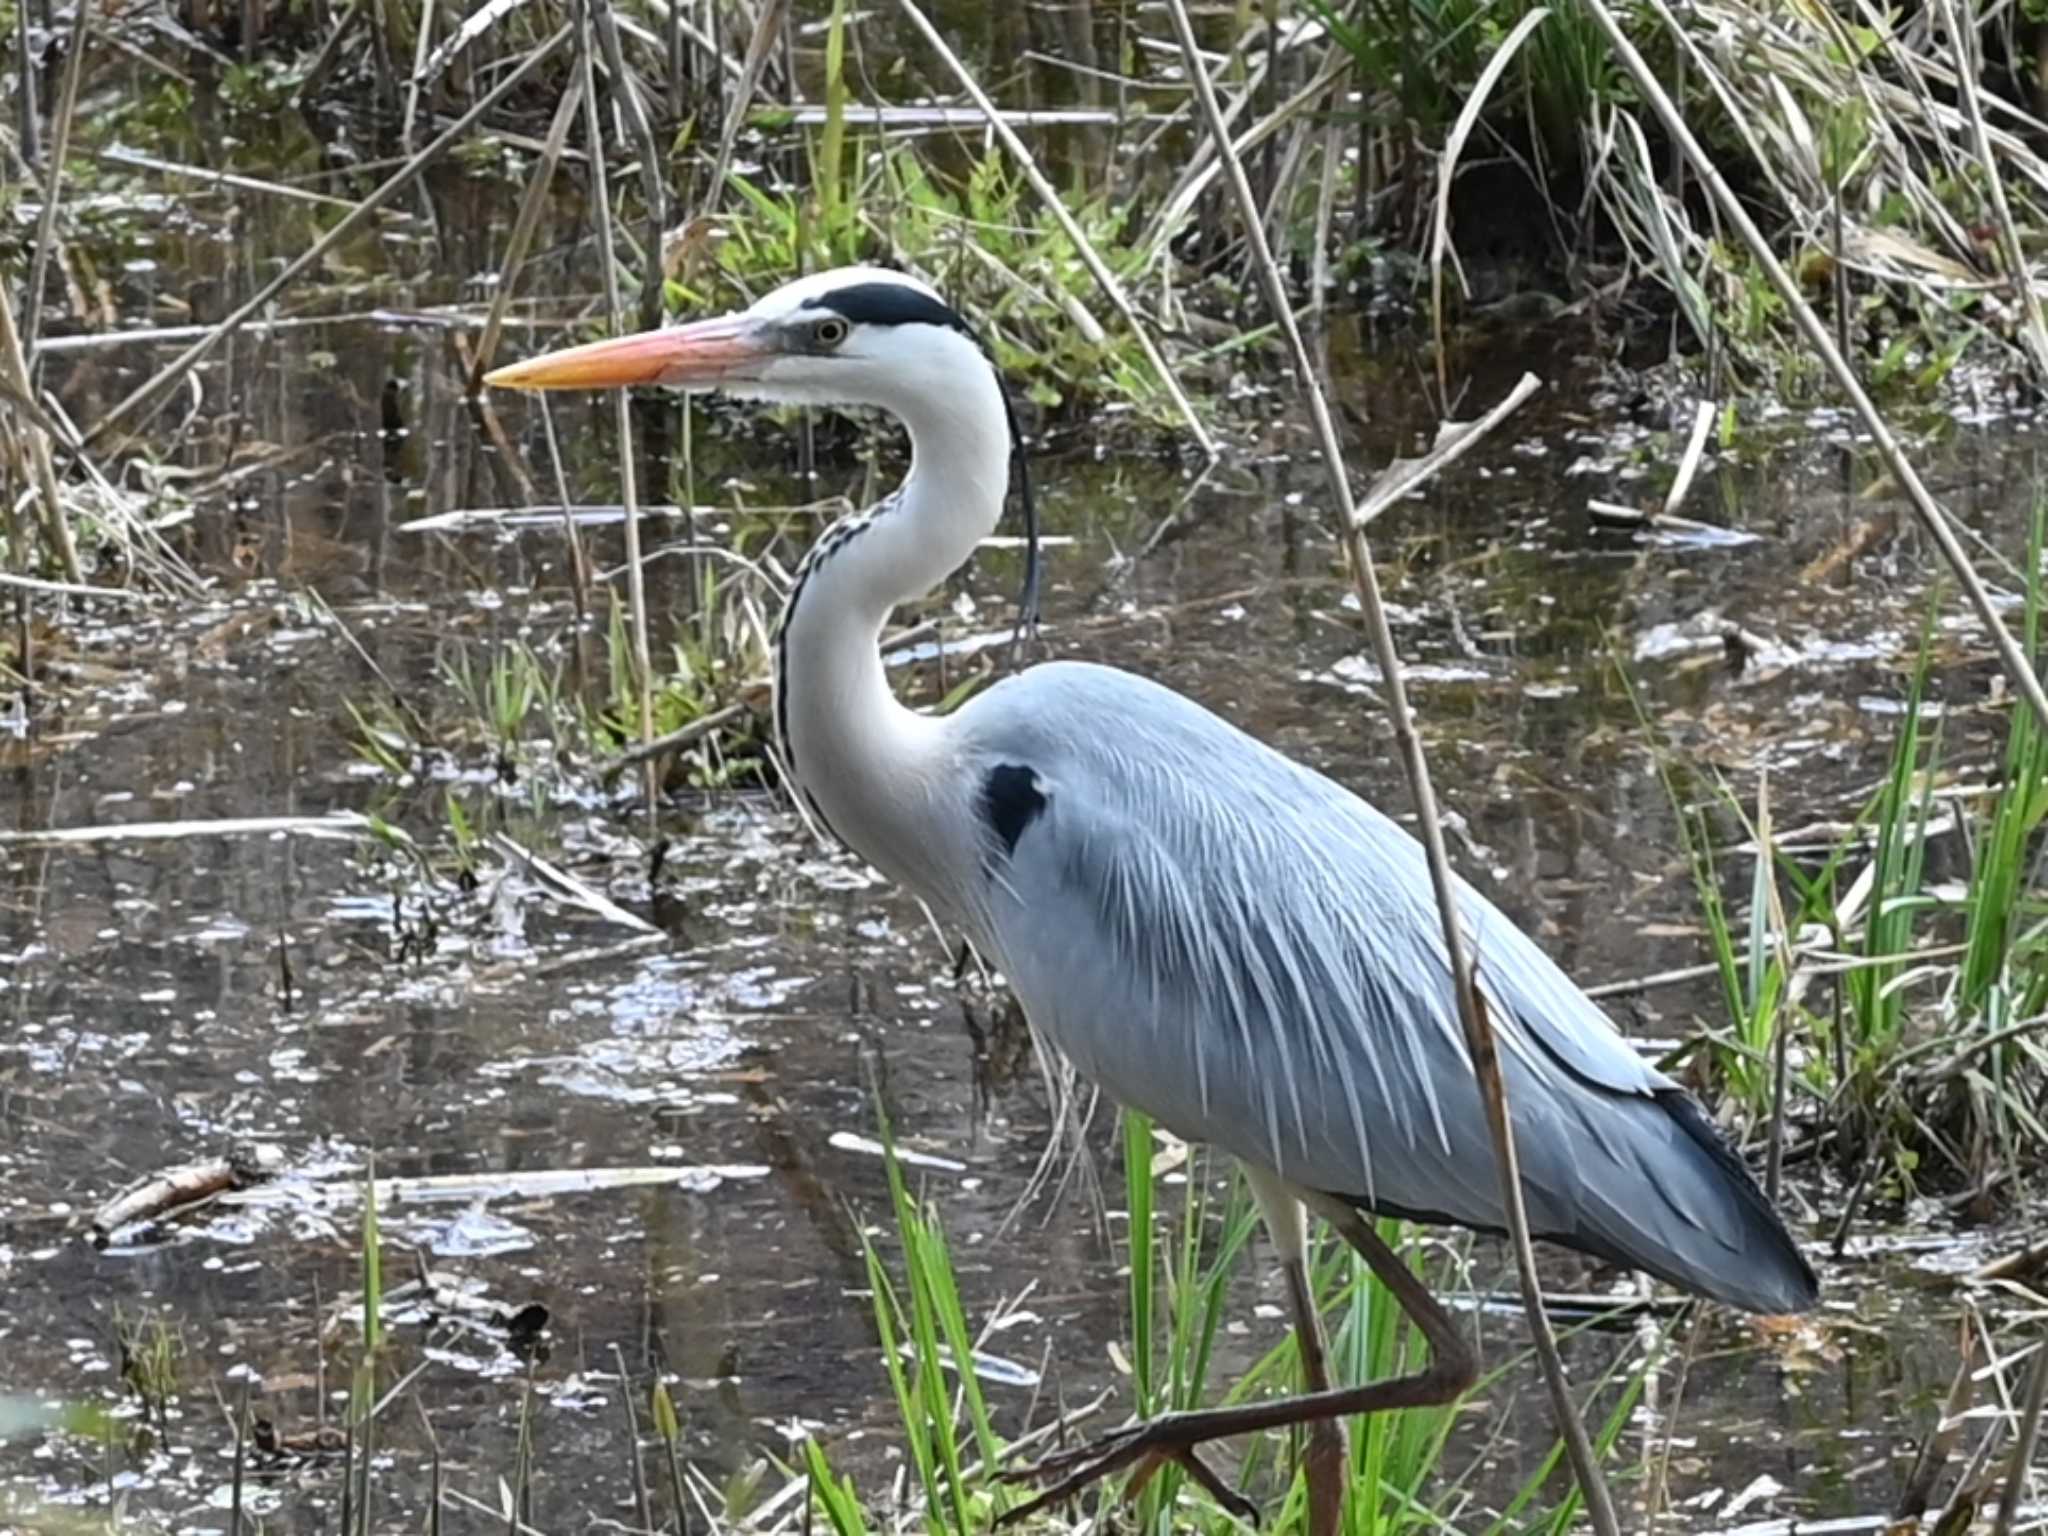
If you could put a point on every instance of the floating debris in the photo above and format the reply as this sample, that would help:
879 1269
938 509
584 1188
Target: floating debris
323 1442
335 824
1667 529
847 1141
182 1189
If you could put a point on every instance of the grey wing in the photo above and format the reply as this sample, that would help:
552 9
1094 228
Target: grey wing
1252 954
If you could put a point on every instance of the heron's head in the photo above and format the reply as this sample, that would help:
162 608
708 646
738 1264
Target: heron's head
851 336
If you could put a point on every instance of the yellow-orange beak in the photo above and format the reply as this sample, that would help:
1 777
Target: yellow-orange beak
685 356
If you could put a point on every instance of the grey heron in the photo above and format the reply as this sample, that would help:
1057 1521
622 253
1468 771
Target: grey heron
1212 932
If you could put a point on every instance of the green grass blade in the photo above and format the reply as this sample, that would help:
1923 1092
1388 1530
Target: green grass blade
372 1265
1144 1273
833 1494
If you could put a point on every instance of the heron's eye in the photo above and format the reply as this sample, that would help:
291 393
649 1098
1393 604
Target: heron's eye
830 331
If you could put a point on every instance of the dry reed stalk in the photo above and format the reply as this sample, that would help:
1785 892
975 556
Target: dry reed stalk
421 45
330 50
25 93
523 225
626 101
579 562
629 488
2023 1447
1056 205
119 155
1479 1037
42 472
1326 208
1202 172
53 179
68 589
2019 672
767 27
1447 172
642 1505
1962 27
150 392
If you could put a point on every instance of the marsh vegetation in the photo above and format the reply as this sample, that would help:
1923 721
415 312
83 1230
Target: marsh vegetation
391 784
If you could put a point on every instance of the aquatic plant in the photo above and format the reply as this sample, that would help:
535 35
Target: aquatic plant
1409 1471
1892 1015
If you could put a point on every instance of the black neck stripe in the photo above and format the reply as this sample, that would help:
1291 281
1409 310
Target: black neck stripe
885 303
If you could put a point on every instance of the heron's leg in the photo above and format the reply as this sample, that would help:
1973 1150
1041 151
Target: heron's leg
1325 1463
1451 1370
1328 1461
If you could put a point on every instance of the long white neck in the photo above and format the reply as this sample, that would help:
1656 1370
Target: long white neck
865 765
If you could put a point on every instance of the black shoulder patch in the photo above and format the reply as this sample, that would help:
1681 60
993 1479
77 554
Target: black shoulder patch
1010 801
884 303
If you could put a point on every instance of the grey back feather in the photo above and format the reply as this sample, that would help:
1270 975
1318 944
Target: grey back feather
1252 954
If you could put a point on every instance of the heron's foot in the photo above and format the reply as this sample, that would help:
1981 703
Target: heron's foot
1144 1448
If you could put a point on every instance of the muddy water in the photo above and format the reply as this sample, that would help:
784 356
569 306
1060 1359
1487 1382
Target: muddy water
166 997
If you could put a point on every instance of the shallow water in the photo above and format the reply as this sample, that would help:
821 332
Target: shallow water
165 997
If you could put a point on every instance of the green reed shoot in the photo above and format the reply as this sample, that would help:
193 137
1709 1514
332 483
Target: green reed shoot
1137 1142
833 204
670 1429
1181 1289
833 1494
2006 851
935 1328
372 1264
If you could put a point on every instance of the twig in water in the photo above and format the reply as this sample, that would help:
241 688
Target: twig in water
2019 671
1453 440
151 391
1479 1041
513 1524
1852 1207
2012 1265
1960 1512
1689 463
242 1456
674 741
568 886
1056 205
1634 984
640 1499
184 1188
522 1480
669 1429
579 563
1919 1487
330 824
25 94
434 1484
2023 1447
